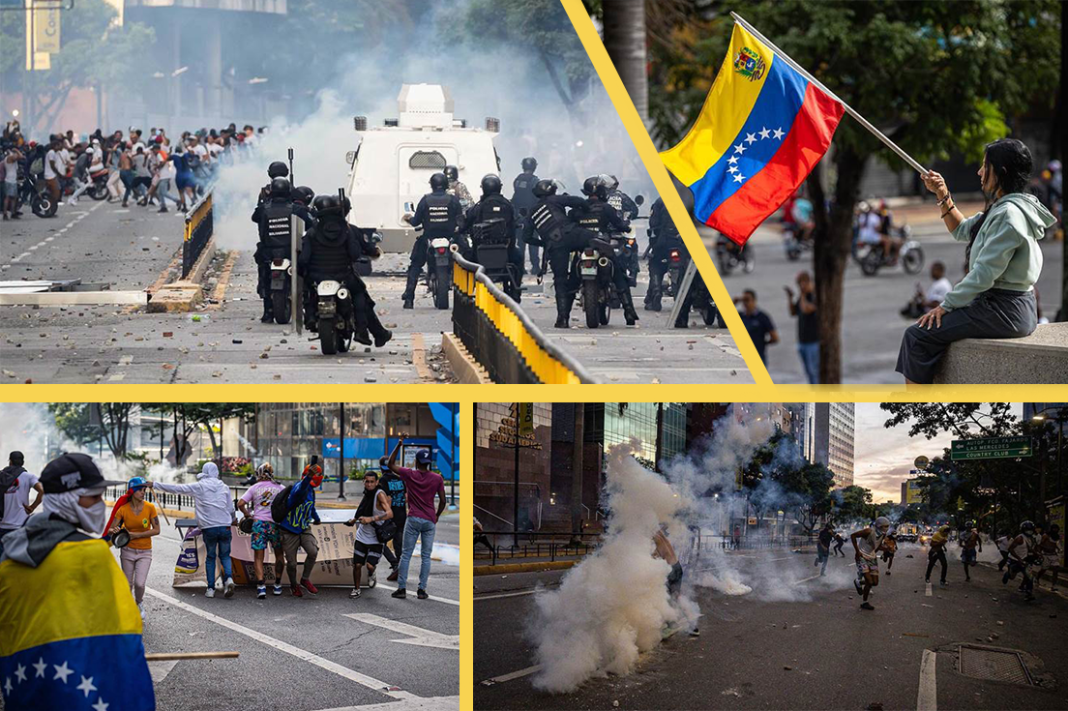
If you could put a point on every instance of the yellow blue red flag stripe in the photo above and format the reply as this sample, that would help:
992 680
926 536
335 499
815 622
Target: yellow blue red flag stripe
762 129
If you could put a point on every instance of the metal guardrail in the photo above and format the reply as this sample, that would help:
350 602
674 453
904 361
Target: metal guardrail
199 227
502 338
536 544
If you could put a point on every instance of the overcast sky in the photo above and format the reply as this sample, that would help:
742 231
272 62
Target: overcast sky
883 457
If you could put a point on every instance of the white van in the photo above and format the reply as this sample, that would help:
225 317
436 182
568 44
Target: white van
391 167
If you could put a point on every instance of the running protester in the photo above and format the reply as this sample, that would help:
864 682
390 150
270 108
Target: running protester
300 514
421 484
968 541
215 514
823 547
1050 550
263 528
889 549
374 509
393 485
937 554
866 544
1002 542
15 486
141 521
838 543
1022 561
666 552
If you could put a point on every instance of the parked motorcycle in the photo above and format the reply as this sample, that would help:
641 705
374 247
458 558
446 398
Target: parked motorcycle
731 256
335 317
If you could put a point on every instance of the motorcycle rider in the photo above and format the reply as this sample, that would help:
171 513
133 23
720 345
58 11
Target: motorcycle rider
490 206
275 226
330 250
457 188
596 215
663 238
523 200
277 169
549 227
439 213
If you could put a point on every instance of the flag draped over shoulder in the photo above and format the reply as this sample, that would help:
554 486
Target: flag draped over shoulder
70 634
762 129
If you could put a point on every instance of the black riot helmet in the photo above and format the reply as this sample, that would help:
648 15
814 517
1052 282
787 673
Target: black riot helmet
530 164
304 194
491 185
280 188
438 181
594 185
544 187
277 169
326 205
452 173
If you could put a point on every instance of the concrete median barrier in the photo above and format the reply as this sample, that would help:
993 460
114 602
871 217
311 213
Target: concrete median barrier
1038 359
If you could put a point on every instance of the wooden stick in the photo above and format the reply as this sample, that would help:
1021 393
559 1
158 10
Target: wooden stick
176 656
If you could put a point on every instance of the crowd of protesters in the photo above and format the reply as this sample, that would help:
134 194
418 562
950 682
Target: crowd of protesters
151 168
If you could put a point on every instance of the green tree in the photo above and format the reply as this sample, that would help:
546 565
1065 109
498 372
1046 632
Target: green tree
208 414
854 502
964 419
75 420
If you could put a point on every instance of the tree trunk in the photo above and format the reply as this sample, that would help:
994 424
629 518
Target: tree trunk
831 249
624 38
1061 118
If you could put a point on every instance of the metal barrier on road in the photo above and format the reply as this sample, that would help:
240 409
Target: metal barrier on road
502 338
199 228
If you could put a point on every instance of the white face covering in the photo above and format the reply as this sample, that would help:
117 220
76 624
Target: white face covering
66 506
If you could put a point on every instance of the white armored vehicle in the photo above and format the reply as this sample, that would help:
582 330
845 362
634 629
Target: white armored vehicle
391 167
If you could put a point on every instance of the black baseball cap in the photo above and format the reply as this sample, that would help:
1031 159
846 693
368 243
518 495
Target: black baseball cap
73 471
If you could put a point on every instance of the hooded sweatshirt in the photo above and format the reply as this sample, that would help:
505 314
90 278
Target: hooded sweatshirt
1005 254
214 507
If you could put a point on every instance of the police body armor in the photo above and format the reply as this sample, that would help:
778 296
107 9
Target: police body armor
523 195
330 257
278 231
549 221
591 216
490 231
439 223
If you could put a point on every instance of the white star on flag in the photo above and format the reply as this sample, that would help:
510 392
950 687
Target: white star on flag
100 705
86 686
740 148
732 169
732 160
779 133
20 672
750 138
7 686
62 672
40 666
765 133
739 178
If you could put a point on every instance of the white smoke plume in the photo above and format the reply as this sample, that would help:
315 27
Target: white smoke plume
613 605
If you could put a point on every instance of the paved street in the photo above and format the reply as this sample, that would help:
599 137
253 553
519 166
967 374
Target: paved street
872 326
304 654
132 249
800 641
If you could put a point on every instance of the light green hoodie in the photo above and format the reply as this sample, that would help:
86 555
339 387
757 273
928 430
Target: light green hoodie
1006 254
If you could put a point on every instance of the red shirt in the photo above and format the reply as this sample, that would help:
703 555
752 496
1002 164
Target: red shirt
421 487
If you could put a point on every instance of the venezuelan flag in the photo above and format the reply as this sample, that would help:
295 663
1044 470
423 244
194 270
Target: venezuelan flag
70 634
762 129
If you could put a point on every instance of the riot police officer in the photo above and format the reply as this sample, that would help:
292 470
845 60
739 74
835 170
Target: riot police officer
523 200
549 227
595 214
277 169
274 217
330 250
439 213
457 188
663 237
493 205
619 199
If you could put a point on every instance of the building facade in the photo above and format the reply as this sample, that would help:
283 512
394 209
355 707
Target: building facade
833 438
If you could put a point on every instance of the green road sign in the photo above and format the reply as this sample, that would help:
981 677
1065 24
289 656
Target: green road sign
991 448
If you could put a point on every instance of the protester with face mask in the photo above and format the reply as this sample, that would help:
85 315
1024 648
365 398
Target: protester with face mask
937 554
866 544
373 510
215 515
65 605
1023 554
296 525
140 519
264 530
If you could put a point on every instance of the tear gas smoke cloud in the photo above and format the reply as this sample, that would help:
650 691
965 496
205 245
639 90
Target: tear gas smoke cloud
612 606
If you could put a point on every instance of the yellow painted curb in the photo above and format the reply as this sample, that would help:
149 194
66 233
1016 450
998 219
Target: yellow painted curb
523 567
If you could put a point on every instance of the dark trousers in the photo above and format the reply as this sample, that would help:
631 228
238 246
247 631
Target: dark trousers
559 252
415 266
933 557
393 556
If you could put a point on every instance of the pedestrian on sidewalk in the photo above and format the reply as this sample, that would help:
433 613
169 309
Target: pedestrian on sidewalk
371 515
141 521
758 324
15 486
295 510
421 484
823 546
937 554
393 485
808 328
264 530
215 515
969 541
866 545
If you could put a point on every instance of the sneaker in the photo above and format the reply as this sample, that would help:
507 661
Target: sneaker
261 592
888 572
421 594
695 632
228 588
163 209
295 589
942 583
399 593
866 606
860 590
277 589
141 609
372 579
307 584
392 577
210 592
409 304
354 593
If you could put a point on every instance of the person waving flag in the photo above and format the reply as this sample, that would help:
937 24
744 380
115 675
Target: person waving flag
763 127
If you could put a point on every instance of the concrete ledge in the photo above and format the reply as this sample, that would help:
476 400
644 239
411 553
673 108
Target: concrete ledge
467 370
200 267
509 568
1038 359
75 298
181 296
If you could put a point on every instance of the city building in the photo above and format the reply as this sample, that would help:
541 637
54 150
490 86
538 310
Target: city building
805 428
833 438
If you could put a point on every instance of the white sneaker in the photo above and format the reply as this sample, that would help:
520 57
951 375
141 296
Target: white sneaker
72 201
228 590
210 592
141 607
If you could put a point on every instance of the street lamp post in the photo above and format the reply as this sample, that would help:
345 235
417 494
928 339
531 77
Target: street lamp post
341 456
1060 419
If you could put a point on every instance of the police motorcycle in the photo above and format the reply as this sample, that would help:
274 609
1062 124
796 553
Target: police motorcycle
439 269
595 266
491 237
335 317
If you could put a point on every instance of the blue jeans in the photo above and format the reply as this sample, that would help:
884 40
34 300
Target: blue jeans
217 536
810 360
416 527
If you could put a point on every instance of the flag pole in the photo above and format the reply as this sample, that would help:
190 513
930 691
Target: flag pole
848 109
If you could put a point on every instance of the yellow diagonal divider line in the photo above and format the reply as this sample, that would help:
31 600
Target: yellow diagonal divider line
587 34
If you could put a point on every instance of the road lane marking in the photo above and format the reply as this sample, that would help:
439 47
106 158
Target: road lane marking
514 675
805 580
416 703
511 594
927 697
445 600
416 635
342 671
928 590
